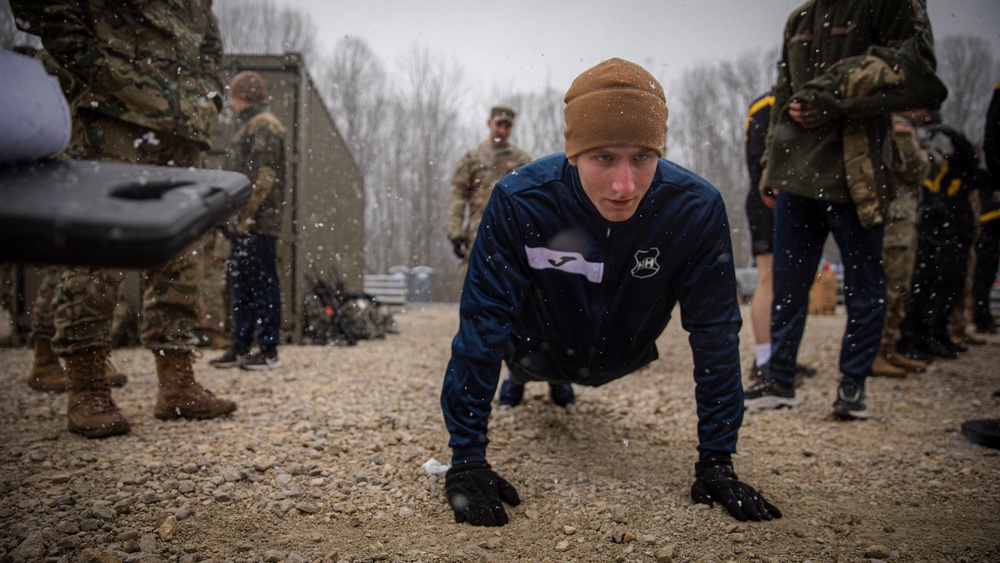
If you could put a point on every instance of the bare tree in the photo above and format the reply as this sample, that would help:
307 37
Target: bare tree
707 129
433 129
967 65
354 86
260 27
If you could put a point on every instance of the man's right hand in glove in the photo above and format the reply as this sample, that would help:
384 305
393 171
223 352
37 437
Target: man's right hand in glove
474 492
460 245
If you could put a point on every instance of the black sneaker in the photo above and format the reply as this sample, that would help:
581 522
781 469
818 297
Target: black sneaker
768 393
909 349
231 359
801 372
262 360
851 402
804 371
935 347
511 392
562 394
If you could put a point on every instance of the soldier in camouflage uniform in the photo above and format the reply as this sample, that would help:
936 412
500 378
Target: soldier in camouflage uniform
899 245
473 178
47 374
143 79
257 150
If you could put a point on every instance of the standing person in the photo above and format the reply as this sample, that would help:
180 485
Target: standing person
988 245
473 178
760 217
580 262
258 150
946 233
143 79
845 65
472 182
899 246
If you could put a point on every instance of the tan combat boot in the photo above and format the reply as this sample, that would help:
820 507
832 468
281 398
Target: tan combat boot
47 374
114 377
883 367
180 395
90 409
901 361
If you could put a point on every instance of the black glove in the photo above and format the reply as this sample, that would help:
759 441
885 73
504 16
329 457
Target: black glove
460 245
475 491
715 480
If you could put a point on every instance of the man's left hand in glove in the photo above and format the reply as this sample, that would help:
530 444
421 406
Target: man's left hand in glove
716 481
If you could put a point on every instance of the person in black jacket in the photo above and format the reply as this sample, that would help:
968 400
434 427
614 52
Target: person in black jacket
579 263
988 245
760 218
946 233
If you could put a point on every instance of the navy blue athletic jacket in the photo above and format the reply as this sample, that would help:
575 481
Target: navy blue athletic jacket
575 298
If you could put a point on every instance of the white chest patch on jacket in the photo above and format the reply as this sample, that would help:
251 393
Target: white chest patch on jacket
570 262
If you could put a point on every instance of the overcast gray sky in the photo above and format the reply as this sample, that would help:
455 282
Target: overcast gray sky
522 45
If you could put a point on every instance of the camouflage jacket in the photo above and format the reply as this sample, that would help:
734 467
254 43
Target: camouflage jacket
258 150
472 183
913 149
857 60
154 63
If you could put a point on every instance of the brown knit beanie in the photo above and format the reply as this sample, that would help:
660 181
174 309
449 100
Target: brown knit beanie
615 103
248 86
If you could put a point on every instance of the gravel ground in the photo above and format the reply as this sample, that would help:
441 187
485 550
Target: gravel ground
323 462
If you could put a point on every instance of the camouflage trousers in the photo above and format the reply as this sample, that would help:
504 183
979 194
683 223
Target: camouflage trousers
899 251
85 299
215 302
42 324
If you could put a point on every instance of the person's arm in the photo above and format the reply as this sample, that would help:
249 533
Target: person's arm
755 141
492 296
707 295
263 163
461 194
782 94
706 292
914 164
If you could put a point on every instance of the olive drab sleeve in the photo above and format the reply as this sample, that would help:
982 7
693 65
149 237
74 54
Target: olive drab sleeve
261 148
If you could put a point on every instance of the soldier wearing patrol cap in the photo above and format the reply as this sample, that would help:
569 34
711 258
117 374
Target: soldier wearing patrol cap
474 176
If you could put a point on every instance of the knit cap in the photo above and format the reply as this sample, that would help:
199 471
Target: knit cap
248 86
615 103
